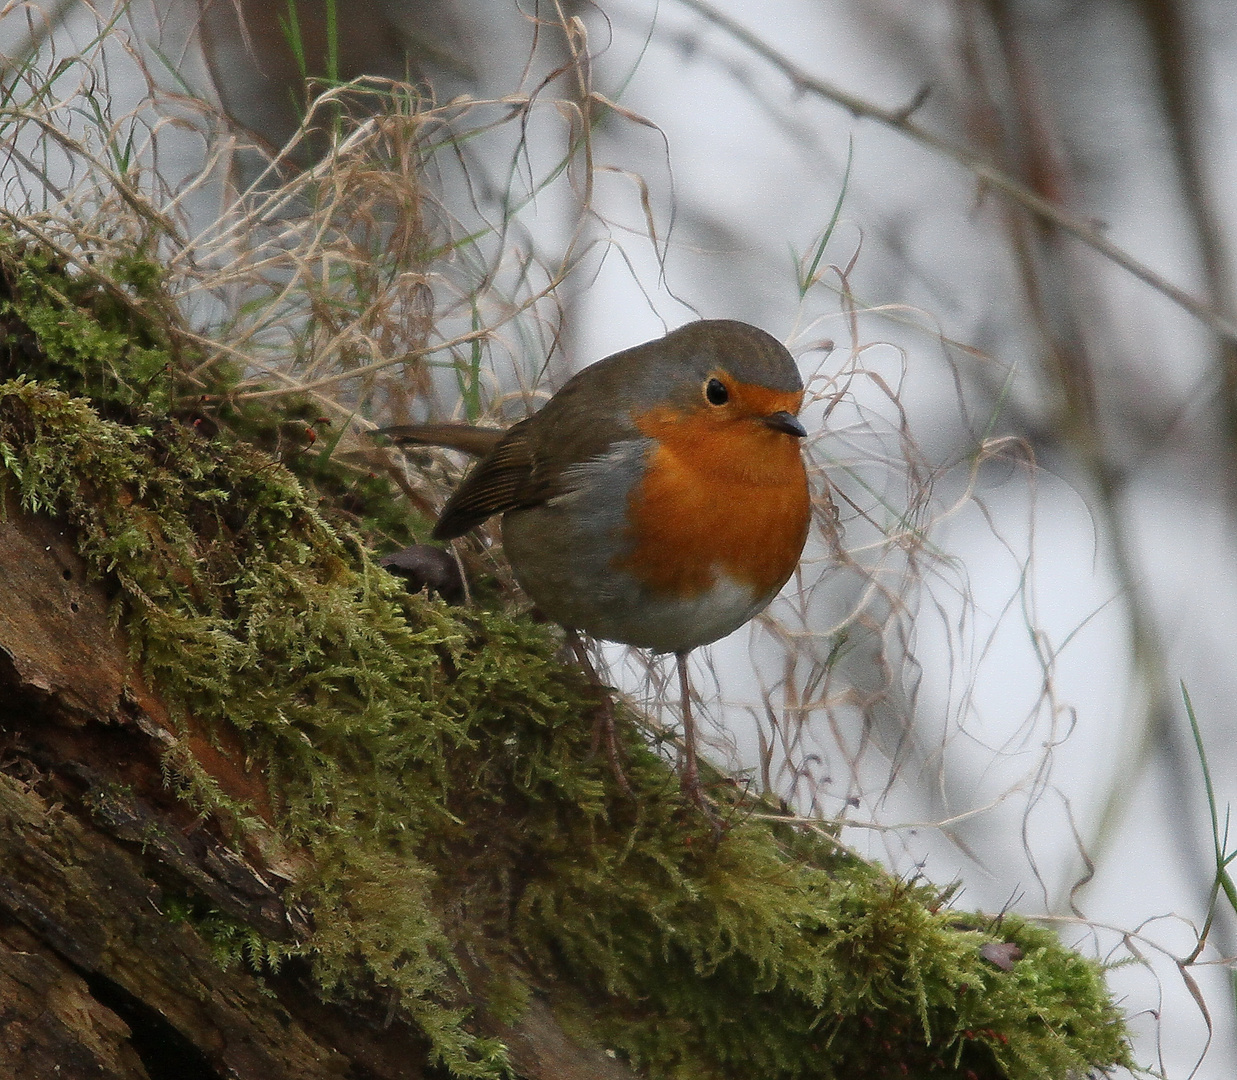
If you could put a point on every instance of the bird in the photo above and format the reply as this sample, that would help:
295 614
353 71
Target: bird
659 499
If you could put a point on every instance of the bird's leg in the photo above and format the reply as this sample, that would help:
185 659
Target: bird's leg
603 725
689 775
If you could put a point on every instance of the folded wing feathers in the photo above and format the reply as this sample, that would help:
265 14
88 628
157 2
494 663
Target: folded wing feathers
506 480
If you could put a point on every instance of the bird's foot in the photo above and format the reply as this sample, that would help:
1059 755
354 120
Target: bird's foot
605 721
693 792
605 734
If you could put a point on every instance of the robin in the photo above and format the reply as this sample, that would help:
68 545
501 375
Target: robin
659 499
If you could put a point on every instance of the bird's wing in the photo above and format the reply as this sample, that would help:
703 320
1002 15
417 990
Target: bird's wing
535 462
506 479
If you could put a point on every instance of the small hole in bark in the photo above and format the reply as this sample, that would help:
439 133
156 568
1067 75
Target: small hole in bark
163 1050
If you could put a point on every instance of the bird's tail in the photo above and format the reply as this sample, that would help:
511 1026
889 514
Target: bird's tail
466 438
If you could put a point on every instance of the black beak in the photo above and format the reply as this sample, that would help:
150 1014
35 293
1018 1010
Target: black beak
783 421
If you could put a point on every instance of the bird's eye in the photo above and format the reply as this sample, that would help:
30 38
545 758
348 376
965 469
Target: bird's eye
715 392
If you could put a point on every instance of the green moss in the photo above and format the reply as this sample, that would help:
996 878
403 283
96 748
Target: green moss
434 767
68 329
56 326
232 942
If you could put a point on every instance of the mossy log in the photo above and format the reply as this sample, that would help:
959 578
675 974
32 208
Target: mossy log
95 978
265 813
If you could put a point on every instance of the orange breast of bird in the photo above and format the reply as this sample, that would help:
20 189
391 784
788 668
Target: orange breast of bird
720 495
